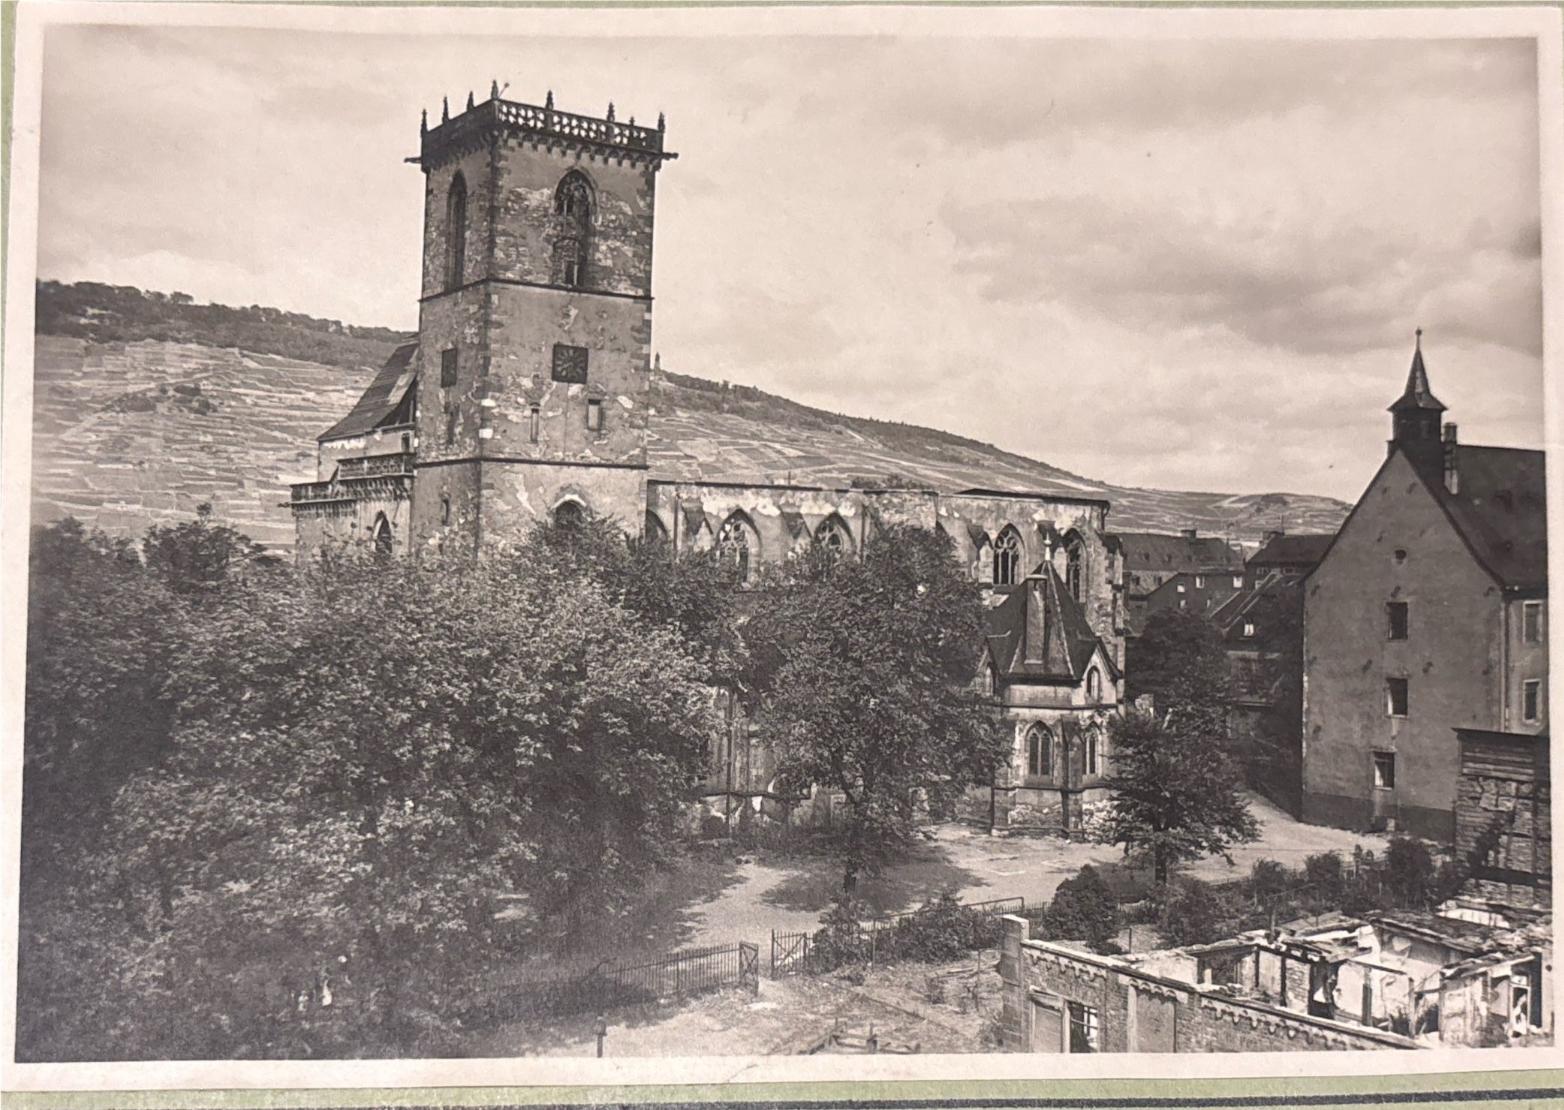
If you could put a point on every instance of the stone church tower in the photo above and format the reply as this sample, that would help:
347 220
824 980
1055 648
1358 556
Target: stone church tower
535 320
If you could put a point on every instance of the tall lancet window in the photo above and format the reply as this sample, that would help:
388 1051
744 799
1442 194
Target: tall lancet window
1007 558
456 232
572 229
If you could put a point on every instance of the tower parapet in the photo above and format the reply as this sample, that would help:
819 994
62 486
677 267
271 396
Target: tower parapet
545 125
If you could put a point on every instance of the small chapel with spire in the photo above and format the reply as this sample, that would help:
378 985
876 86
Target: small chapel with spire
1425 626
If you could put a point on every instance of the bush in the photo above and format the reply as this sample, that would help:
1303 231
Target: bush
1084 909
840 940
1268 878
1410 871
1194 912
1326 871
941 929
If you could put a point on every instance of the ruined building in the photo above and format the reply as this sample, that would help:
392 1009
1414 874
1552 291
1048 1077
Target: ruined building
527 397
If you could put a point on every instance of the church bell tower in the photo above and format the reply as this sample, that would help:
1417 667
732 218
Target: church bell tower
535 320
1415 416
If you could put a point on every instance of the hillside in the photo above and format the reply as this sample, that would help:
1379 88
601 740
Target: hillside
132 428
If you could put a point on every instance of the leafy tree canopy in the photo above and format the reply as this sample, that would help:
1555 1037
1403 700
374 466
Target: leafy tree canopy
865 669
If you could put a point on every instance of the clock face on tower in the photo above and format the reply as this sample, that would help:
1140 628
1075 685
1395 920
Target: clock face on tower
570 363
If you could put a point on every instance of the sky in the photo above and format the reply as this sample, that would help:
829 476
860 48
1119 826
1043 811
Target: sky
1188 264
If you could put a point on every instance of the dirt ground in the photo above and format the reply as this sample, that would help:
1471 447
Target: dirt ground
908 1007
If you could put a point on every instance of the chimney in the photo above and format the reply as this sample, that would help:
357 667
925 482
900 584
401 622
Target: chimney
1452 469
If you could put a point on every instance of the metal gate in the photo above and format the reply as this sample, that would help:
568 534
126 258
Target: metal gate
789 953
749 966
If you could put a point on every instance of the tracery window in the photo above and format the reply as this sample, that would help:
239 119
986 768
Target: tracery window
1074 567
833 538
1007 558
1039 751
456 232
573 229
734 543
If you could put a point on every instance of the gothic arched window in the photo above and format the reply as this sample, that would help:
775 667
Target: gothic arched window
1007 558
737 543
1074 567
384 541
569 514
1039 751
1094 684
456 232
833 538
572 229
1093 751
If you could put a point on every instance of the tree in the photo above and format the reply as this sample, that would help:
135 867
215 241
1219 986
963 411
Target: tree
196 557
865 668
1083 908
1173 791
1179 660
368 762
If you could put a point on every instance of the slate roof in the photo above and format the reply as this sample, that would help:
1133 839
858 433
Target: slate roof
1039 633
1500 510
1417 394
1170 553
1301 550
383 397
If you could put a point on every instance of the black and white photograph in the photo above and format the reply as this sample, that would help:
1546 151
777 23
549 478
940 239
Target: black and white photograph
901 533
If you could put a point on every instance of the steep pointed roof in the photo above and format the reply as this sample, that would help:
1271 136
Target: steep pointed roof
1417 395
1039 633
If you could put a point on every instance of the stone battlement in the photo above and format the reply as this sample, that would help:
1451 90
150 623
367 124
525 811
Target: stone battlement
453 135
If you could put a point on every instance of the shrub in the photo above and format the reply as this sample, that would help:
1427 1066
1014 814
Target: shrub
1083 908
940 929
1268 878
1410 871
1194 912
1325 871
840 939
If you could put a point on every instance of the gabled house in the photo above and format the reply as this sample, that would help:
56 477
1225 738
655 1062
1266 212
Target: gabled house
1427 614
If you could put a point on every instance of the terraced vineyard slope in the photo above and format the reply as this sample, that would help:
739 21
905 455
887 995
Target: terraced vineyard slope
128 433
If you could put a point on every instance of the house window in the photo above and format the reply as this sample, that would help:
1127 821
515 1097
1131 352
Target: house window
1384 770
1531 700
1531 621
445 508
1396 696
1180 587
407 442
1007 558
1085 1028
456 232
534 419
570 363
448 368
1248 629
1039 751
1238 581
1200 581
1396 617
450 427
594 416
